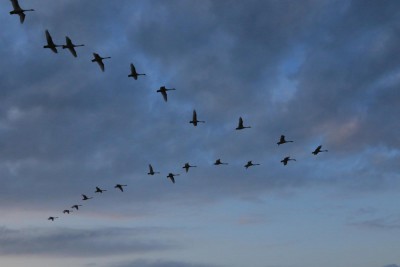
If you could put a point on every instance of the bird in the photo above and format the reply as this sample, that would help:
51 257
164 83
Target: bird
18 10
249 164
134 74
151 171
163 91
99 60
282 140
50 43
99 190
194 119
76 207
71 46
240 125
318 150
218 162
187 166
84 197
119 186
286 160
171 177
67 211
51 218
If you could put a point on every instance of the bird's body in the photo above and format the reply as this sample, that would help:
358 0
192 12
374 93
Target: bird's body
71 46
97 58
282 140
99 190
120 187
171 177
318 150
76 207
151 171
84 197
163 91
250 163
67 211
17 10
187 166
194 119
51 218
218 162
50 43
134 74
286 160
240 125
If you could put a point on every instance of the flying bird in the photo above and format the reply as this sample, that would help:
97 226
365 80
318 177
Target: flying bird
286 160
282 140
194 119
18 10
249 164
119 186
67 211
163 91
51 218
318 150
99 190
99 60
240 125
151 171
171 177
71 46
84 197
187 166
76 207
218 162
50 43
134 74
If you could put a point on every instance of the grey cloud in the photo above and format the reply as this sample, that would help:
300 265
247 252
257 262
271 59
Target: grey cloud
384 223
80 242
161 263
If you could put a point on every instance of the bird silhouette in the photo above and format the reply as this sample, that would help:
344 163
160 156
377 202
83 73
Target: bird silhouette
99 190
119 186
187 166
67 211
99 60
84 197
151 171
71 46
76 207
194 119
134 74
18 10
318 150
163 91
50 43
249 164
240 125
171 177
286 160
51 218
218 162
282 140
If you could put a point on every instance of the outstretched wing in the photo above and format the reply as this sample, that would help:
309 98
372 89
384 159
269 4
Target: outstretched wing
21 17
240 125
164 94
15 5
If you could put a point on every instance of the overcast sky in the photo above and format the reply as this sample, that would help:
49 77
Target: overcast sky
319 72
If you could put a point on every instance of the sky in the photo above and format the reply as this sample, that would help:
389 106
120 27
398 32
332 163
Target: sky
320 72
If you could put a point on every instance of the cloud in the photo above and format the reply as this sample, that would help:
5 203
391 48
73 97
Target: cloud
80 242
160 263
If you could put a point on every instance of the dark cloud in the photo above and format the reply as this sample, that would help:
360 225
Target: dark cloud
81 242
385 223
161 263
